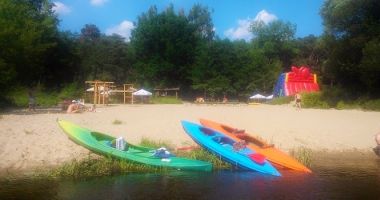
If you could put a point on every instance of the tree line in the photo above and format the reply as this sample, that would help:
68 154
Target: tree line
180 49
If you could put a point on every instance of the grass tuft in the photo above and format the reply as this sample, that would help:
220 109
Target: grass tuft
117 122
103 166
200 154
302 154
146 142
93 166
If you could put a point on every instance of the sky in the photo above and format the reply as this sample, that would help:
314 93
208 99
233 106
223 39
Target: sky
231 18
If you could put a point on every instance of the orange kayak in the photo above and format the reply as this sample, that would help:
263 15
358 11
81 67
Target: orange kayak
273 154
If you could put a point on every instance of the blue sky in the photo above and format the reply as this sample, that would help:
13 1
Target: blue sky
231 18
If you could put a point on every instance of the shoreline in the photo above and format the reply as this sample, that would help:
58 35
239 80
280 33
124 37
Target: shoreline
30 141
323 158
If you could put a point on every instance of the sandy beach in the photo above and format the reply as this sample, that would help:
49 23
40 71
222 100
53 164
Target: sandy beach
34 140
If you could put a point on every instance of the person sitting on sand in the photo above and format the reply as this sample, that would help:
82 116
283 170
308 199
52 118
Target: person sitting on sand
92 108
199 100
73 107
225 100
377 148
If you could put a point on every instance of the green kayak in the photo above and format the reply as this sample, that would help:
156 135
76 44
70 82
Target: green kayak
100 143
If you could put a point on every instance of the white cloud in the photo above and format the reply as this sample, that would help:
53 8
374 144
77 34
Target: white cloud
242 31
60 8
124 29
265 17
98 2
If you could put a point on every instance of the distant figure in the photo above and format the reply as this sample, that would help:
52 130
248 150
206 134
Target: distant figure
377 148
32 101
225 100
297 98
106 93
199 100
92 108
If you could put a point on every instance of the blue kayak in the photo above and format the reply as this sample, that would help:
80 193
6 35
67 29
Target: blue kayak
225 147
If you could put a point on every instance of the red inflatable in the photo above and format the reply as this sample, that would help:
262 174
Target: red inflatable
300 80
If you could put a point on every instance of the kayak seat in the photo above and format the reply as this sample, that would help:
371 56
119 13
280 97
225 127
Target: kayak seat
207 131
223 140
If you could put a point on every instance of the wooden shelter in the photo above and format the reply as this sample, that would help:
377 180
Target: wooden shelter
102 89
165 91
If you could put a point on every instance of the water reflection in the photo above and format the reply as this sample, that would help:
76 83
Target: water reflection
328 181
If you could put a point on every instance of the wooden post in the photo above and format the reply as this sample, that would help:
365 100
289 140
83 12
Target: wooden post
95 91
104 91
124 93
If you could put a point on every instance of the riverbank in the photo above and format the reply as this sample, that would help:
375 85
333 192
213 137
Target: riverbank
34 140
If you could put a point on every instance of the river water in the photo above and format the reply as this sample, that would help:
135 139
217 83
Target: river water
353 179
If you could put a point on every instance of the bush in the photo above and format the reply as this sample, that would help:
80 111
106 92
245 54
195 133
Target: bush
19 95
372 105
344 105
166 100
71 91
313 100
281 100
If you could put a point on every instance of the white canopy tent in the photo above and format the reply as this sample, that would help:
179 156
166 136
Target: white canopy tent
142 92
269 97
257 96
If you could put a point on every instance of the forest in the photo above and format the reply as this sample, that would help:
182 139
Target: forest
178 48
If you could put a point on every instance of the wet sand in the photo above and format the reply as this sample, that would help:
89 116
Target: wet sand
34 140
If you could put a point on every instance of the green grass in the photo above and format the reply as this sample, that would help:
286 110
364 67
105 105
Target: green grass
146 142
314 100
281 100
200 154
18 96
93 166
166 100
102 166
302 154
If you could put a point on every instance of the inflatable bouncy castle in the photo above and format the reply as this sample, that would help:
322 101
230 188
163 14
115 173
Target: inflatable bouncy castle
298 80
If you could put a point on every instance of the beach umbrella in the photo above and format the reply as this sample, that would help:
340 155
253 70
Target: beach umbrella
142 92
257 96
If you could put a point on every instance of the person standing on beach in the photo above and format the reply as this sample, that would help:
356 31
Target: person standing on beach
377 148
297 98
32 101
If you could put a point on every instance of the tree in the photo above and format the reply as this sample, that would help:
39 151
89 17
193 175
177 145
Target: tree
310 52
164 46
28 31
200 18
276 39
90 52
352 30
